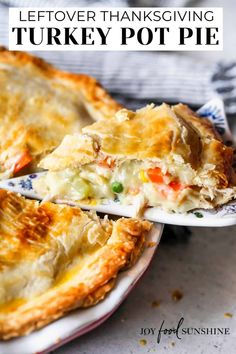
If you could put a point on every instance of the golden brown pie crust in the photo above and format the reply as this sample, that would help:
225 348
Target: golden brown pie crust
39 104
30 230
151 133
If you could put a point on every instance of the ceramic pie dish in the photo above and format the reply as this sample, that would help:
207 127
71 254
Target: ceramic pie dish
78 322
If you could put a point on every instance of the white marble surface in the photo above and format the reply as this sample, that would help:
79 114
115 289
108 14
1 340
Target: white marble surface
203 269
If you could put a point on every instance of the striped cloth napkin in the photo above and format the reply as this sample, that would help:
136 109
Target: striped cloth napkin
137 78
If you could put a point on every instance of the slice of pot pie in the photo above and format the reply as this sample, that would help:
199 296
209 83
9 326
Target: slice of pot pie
55 258
162 156
39 104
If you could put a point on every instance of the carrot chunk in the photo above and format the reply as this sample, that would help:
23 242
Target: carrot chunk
155 175
21 161
176 186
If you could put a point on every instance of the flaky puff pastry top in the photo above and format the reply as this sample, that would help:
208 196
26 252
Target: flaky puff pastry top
54 258
39 104
174 134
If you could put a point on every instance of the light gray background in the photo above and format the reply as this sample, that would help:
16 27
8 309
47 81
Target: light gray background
203 268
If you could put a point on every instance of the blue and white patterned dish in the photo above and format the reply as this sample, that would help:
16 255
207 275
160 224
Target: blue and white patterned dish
223 216
214 111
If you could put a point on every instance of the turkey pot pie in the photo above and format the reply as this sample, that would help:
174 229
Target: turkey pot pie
39 104
158 156
54 258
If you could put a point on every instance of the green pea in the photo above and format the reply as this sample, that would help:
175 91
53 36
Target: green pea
117 187
198 215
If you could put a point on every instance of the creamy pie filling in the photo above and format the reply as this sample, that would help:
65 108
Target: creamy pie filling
129 182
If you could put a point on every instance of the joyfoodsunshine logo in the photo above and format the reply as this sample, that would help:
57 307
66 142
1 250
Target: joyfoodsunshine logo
180 330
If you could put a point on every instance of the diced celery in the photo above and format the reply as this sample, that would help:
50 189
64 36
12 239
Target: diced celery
82 187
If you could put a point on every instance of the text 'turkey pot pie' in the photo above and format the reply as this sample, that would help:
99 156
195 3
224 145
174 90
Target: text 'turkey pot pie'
158 156
39 104
55 258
